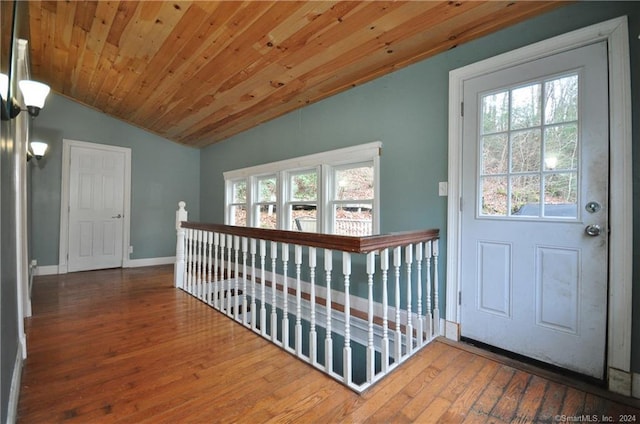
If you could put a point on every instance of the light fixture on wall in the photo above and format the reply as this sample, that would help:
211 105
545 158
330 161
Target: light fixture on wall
36 149
34 94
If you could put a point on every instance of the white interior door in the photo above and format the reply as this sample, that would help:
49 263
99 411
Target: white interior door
96 208
534 218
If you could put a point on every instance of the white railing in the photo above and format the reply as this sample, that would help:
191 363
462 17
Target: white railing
381 292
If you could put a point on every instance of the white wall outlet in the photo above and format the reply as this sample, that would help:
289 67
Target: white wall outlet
130 249
443 188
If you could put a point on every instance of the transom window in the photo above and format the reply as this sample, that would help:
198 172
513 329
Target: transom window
333 192
529 155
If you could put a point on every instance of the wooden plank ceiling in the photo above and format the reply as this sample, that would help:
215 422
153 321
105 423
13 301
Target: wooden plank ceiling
198 72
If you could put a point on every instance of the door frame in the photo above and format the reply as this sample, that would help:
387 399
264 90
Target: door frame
615 32
64 199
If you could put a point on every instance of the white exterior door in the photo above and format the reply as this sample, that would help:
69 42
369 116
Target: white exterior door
534 218
96 208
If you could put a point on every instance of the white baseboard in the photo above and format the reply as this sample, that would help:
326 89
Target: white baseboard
452 330
14 394
619 381
635 385
131 263
135 263
47 270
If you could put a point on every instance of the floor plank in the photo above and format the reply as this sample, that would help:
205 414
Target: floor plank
124 346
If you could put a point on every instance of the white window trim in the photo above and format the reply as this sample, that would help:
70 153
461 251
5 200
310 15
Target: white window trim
323 162
616 33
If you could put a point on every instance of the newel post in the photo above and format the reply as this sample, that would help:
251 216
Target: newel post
178 271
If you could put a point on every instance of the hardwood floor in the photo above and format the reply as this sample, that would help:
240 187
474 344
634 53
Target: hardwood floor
124 346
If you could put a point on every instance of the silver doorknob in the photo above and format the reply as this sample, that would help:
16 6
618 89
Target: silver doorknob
593 230
117 216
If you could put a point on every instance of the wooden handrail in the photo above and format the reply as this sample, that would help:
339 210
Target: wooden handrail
364 244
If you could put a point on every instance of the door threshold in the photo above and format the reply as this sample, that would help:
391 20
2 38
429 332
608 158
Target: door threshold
526 360
553 373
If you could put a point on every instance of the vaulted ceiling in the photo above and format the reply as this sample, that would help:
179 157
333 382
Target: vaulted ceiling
197 72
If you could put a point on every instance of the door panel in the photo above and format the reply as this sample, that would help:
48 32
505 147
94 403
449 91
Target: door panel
494 278
535 154
96 208
557 288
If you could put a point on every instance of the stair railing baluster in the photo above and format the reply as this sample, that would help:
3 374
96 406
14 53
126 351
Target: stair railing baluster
228 264
252 247
216 266
427 254
313 335
190 263
285 295
436 301
397 340
408 260
274 300
371 351
328 341
244 282
384 266
298 327
222 280
263 297
419 313
199 264
346 356
236 277
209 266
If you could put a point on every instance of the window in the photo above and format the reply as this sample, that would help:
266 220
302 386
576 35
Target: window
237 207
529 150
265 206
334 192
352 200
302 206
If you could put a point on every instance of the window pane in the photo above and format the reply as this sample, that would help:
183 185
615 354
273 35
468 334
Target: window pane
495 113
525 151
561 147
525 107
561 100
561 195
304 218
495 154
239 191
353 220
304 186
267 189
238 215
494 196
267 216
354 183
525 195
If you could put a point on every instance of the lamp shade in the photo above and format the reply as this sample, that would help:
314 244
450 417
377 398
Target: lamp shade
34 93
38 148
4 86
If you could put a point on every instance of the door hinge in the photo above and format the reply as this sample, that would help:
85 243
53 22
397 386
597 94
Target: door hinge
461 204
462 109
459 298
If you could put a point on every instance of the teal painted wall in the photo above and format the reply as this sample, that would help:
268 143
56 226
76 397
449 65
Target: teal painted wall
162 174
407 111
